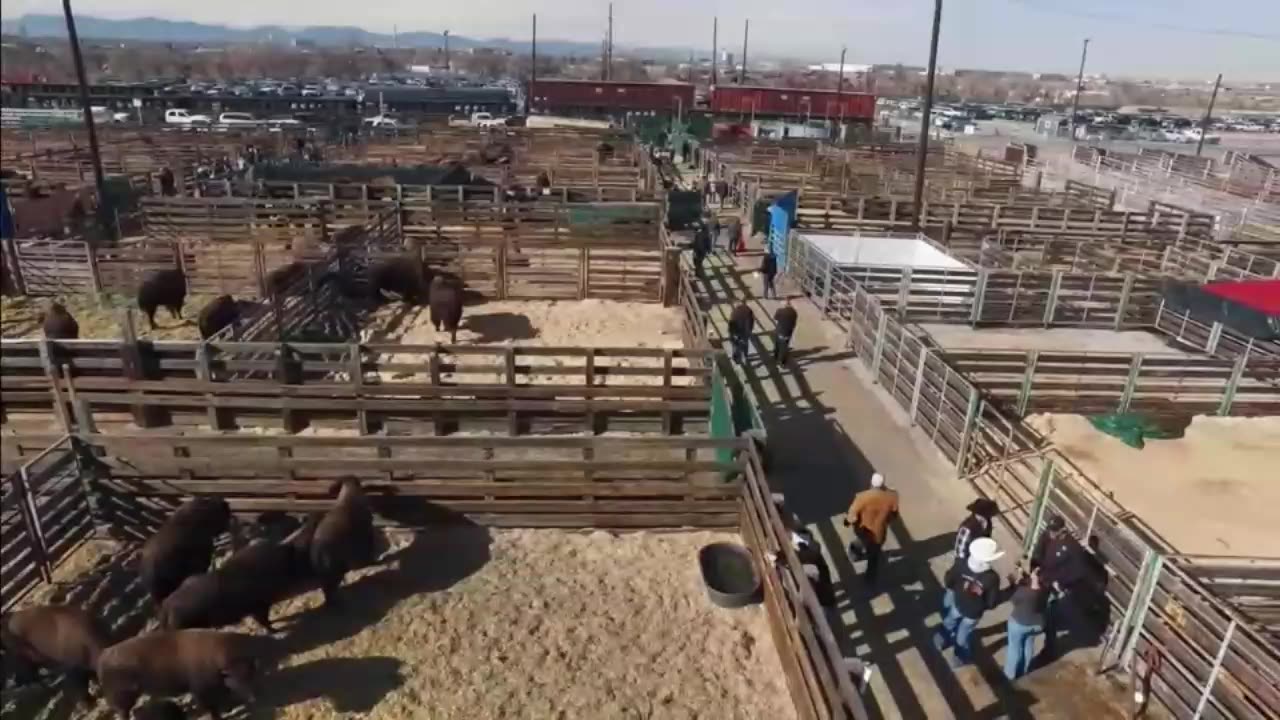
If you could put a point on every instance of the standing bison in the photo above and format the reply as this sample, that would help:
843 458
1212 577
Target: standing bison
247 584
183 546
344 540
220 313
168 663
60 324
446 304
402 276
56 637
167 289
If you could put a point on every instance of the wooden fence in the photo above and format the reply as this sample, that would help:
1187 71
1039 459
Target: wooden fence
1213 660
433 389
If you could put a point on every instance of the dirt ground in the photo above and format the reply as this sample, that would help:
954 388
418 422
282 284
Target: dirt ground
963 337
539 323
1210 492
22 317
471 623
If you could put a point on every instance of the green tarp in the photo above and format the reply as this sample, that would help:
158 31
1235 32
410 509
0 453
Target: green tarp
1133 429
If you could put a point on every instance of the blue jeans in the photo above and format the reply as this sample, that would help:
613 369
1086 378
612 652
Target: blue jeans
948 602
739 349
769 290
781 344
1022 648
958 630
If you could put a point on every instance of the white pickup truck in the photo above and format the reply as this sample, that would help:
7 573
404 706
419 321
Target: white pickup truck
177 116
478 119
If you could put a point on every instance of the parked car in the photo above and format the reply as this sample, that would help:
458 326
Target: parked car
237 119
277 123
381 121
178 116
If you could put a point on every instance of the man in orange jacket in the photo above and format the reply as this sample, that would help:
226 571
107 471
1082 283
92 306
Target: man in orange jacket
869 516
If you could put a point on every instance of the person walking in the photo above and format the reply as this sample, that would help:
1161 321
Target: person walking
735 234
742 322
869 515
768 271
715 232
976 525
701 247
977 590
722 191
1064 570
784 327
1026 621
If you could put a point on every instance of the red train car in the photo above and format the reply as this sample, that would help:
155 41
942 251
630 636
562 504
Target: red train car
771 101
605 97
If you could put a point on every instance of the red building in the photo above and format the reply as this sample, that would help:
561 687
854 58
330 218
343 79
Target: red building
795 102
601 97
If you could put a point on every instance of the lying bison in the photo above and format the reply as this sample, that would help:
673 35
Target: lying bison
403 276
167 289
168 663
220 313
344 539
247 584
446 304
60 638
60 324
183 546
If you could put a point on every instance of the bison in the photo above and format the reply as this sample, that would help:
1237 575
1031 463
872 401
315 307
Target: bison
403 276
58 637
344 539
220 313
279 281
247 584
60 324
183 546
446 304
166 288
168 663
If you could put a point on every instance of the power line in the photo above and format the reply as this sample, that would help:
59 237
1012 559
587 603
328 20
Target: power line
1145 21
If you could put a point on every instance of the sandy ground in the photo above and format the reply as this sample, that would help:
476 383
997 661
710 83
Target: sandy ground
534 323
469 623
1210 492
22 317
963 337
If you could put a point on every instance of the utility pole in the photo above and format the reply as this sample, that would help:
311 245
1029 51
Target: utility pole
1208 115
746 30
447 67
925 121
839 89
608 56
715 48
99 180
1075 105
533 70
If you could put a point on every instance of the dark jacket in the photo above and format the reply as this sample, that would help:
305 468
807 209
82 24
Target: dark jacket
741 322
975 593
1061 560
1029 605
784 318
769 265
971 529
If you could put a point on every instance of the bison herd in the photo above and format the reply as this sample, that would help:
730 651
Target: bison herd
404 278
185 653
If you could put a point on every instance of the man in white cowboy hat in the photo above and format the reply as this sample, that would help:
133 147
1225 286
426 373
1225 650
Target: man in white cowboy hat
976 525
977 589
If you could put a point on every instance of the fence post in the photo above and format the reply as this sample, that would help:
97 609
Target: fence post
1038 508
1229 392
1123 305
22 482
15 265
904 292
1028 379
879 350
1051 305
95 276
1131 384
826 284
915 391
1217 668
979 294
1215 335
966 436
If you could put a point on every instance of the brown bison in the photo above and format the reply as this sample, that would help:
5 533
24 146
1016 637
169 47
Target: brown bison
167 289
402 276
446 304
247 584
344 540
57 637
280 280
220 313
169 663
60 324
183 546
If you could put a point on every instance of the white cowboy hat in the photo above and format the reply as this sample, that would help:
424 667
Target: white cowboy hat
985 550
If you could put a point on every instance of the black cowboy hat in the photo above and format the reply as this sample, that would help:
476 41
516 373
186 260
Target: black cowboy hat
983 507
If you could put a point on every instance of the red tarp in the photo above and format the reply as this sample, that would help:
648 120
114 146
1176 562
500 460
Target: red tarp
1261 295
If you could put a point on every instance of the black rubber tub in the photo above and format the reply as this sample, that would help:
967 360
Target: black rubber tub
729 574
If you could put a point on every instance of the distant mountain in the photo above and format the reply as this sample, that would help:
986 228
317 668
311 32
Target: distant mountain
159 30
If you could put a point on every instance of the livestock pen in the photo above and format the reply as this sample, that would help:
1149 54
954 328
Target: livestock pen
460 491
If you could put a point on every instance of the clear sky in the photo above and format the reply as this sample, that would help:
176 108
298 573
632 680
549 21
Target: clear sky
1162 38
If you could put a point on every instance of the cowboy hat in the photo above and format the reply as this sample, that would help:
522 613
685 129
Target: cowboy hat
985 550
983 507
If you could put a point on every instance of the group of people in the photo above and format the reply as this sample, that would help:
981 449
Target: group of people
1059 577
